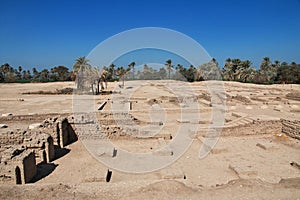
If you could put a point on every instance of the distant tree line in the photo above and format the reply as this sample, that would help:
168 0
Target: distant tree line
8 74
233 70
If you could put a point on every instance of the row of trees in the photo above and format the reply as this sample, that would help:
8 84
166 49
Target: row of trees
268 73
233 70
9 75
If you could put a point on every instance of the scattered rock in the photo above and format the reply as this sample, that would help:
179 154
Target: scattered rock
3 126
183 120
33 126
7 114
261 146
295 164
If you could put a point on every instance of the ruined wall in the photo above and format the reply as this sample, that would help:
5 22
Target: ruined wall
291 128
66 133
29 167
20 169
42 144
60 130
21 150
255 128
50 149
11 138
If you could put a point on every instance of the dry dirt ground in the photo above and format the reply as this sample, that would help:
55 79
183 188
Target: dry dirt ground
251 159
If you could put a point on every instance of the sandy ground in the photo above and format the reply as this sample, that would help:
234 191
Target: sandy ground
248 166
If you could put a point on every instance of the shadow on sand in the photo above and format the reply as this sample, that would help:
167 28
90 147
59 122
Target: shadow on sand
60 152
44 169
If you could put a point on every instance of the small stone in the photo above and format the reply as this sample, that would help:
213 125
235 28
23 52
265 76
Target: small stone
7 114
3 126
33 126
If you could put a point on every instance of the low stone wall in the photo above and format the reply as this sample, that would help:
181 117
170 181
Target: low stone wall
255 128
291 128
33 117
11 138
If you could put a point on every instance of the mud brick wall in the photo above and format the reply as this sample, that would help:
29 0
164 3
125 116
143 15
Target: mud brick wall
29 167
11 138
291 128
255 128
66 133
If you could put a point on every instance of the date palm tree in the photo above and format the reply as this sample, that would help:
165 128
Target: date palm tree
81 69
131 65
169 66
111 70
121 72
267 70
6 69
227 70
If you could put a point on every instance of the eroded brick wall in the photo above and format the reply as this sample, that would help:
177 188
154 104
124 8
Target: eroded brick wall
291 128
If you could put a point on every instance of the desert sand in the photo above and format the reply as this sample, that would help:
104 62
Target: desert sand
251 159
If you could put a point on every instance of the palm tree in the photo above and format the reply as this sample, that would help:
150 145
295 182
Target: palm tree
248 75
236 68
169 66
6 68
20 69
293 64
214 61
44 76
131 65
81 68
121 72
267 70
35 74
227 70
277 63
100 77
111 70
81 62
265 64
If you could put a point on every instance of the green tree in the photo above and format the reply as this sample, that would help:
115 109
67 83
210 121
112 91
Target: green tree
169 66
162 73
265 64
288 73
35 74
121 72
8 73
111 72
208 71
227 70
81 70
61 72
267 71
131 65
44 75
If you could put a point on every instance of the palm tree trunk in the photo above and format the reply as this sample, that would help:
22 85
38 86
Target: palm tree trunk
132 73
92 85
98 82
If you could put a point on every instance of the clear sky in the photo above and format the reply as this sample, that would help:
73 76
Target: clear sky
45 34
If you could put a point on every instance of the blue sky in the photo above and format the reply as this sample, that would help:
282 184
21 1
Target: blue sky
45 34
